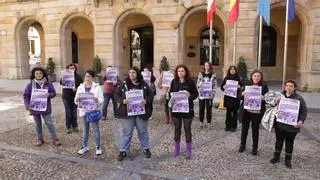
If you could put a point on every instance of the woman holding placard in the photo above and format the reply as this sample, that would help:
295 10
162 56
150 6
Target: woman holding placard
254 108
292 112
231 86
206 84
183 91
89 97
135 98
164 83
37 100
111 81
70 81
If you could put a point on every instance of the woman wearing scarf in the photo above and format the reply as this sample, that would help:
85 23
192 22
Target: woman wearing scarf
231 103
39 80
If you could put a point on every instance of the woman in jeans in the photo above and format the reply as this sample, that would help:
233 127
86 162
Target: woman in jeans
183 82
134 82
89 87
231 103
207 75
253 116
109 90
39 80
68 100
285 132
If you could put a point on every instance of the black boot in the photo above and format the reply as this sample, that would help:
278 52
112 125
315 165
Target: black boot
276 158
241 148
254 151
288 161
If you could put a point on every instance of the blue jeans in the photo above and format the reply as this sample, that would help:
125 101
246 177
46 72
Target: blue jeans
107 98
127 130
85 134
48 121
71 113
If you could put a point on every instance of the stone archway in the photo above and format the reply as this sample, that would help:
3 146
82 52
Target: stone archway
77 28
189 39
133 21
298 39
23 46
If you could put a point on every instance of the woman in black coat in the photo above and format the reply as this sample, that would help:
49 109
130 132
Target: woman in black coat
183 82
286 132
253 116
231 103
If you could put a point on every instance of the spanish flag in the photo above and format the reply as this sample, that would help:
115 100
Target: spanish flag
234 11
211 10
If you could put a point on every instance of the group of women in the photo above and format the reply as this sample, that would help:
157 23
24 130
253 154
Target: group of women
182 82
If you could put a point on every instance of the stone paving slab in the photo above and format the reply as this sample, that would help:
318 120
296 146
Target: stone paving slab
214 157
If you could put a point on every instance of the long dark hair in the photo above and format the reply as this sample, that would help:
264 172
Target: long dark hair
186 77
257 71
139 76
32 76
229 69
74 65
210 66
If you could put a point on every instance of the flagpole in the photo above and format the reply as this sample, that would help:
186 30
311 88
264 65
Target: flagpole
285 47
210 46
260 43
234 43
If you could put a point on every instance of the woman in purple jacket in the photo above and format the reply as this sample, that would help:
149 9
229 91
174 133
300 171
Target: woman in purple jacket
39 80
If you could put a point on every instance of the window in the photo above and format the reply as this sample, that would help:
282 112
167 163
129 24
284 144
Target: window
74 47
269 46
205 46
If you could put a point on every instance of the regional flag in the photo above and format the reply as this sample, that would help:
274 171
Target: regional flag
211 10
234 11
264 10
291 11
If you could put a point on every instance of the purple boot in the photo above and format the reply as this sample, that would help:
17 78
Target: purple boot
176 151
189 150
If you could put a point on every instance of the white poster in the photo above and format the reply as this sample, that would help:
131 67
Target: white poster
39 99
179 102
288 111
146 76
68 81
87 102
134 106
252 98
112 75
231 88
205 90
167 78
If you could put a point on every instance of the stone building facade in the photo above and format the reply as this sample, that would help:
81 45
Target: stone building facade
77 30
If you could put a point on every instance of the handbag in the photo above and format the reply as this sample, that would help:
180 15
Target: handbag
93 116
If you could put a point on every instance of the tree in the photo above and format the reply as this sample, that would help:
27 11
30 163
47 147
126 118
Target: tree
50 66
242 69
97 65
164 64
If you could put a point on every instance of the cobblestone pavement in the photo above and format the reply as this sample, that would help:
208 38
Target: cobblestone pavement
215 153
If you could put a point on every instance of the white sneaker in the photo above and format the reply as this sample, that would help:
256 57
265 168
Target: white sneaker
201 125
98 151
83 150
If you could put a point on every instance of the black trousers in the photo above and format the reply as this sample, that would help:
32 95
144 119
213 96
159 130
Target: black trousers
187 128
205 104
284 136
255 120
71 113
231 118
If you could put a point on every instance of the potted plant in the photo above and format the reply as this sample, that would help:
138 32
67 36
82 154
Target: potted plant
96 68
242 69
50 67
164 65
